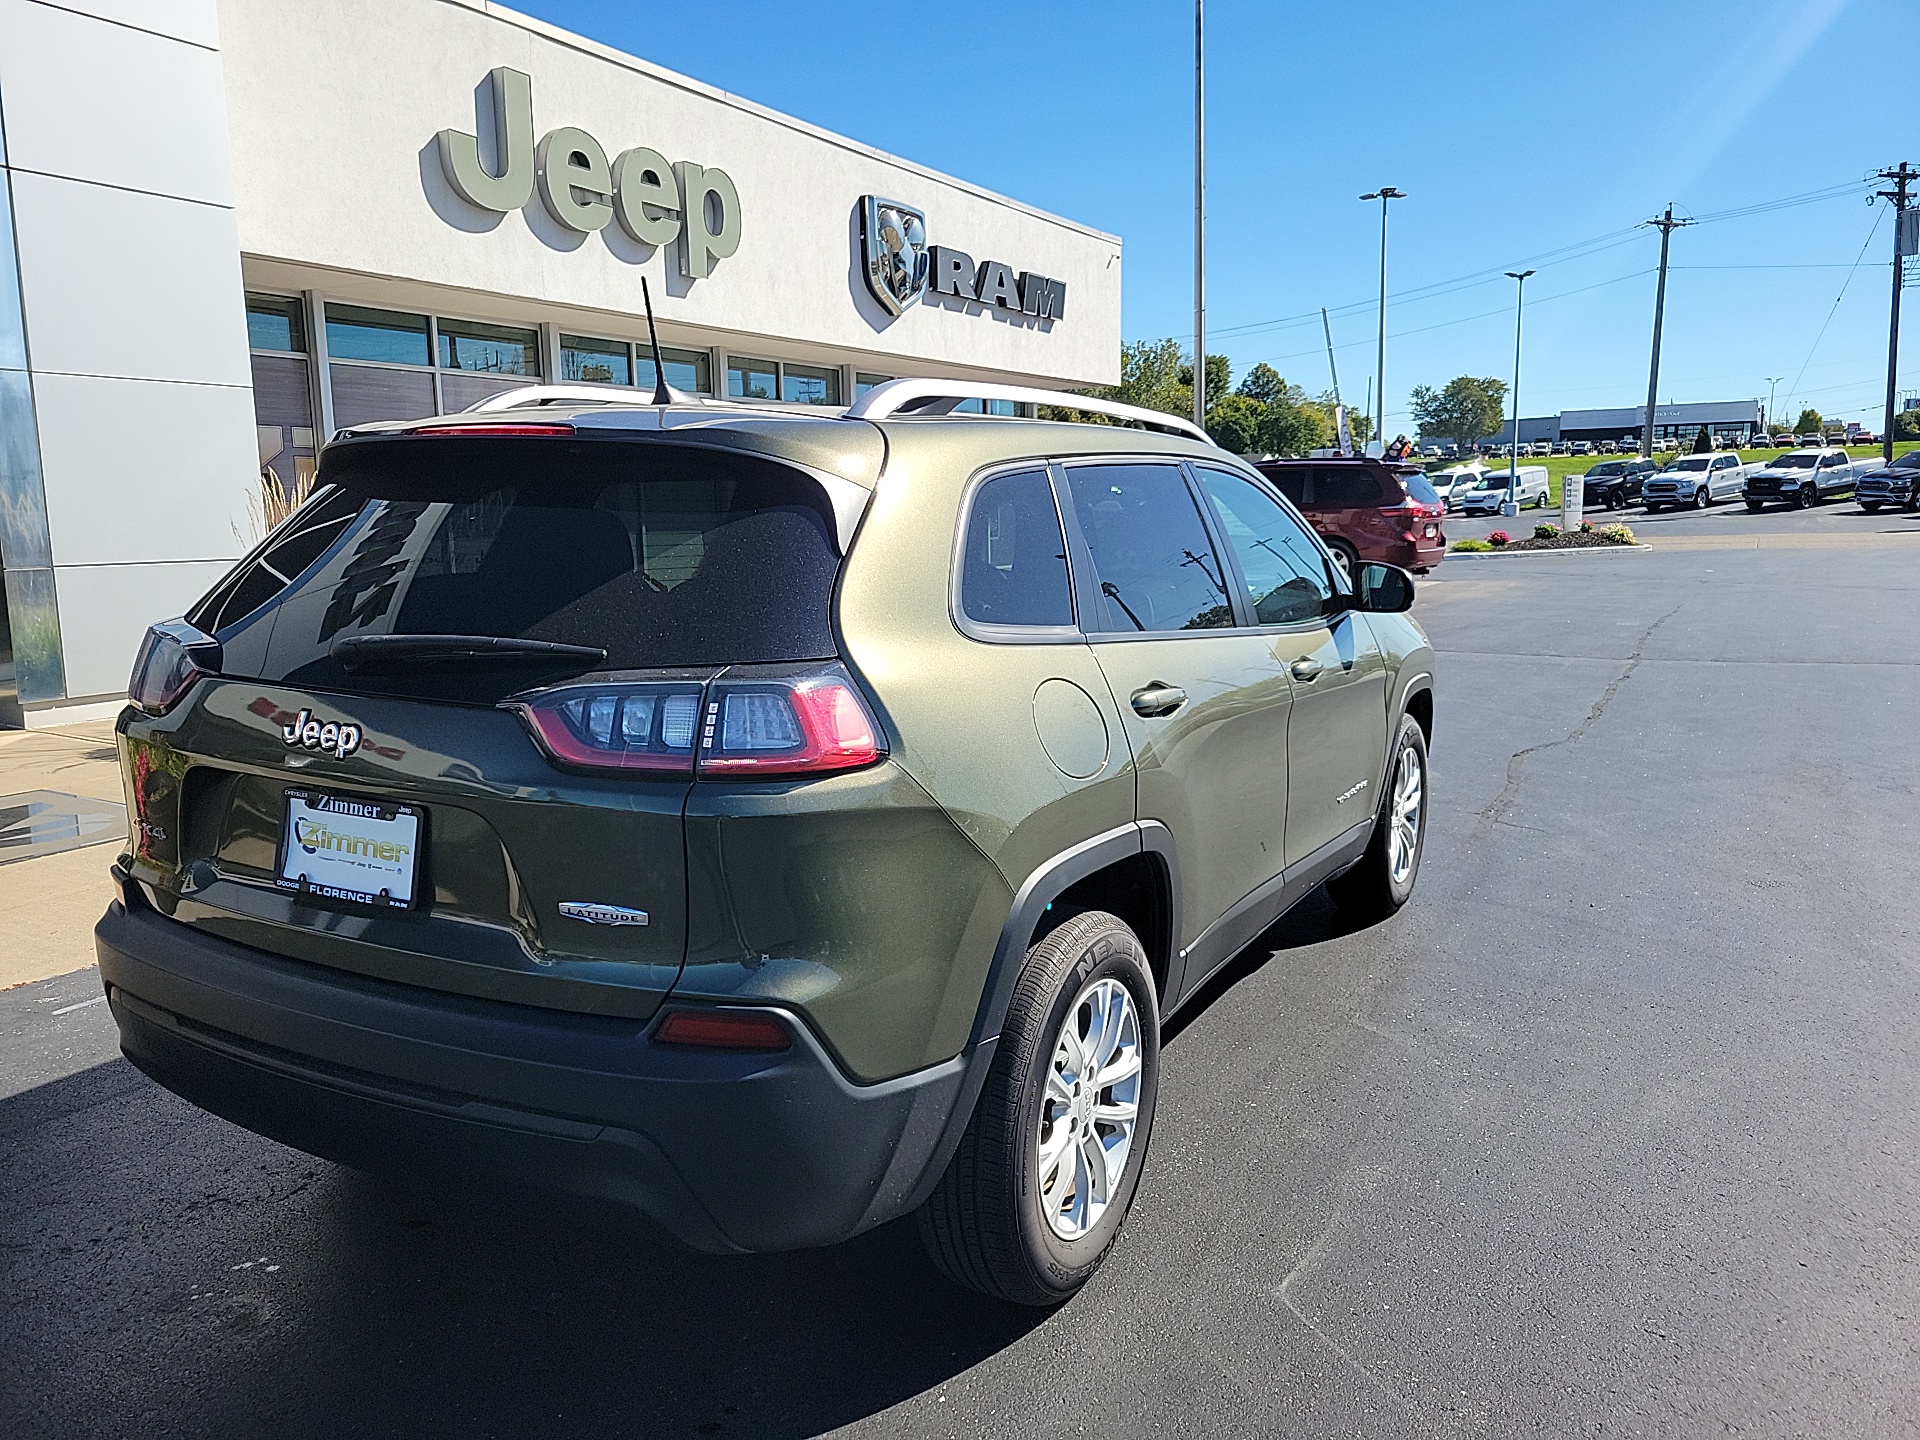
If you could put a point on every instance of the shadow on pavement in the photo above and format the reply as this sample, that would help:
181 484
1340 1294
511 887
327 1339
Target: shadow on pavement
167 1272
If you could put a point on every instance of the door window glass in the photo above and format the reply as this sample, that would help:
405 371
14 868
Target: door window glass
1155 569
1015 563
1290 482
1286 576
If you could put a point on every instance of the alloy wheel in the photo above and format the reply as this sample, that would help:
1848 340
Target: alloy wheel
1403 818
1090 1109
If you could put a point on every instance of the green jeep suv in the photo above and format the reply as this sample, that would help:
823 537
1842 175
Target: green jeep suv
779 822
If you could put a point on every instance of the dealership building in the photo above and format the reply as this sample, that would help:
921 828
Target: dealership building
1730 422
229 228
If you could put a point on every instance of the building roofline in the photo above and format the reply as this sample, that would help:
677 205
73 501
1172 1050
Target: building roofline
547 31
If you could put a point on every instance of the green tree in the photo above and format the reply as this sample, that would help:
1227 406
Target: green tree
1287 428
1464 411
1906 425
1809 422
1235 423
1219 380
1702 442
1266 384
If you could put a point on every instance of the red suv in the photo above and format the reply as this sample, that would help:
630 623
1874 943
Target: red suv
1367 510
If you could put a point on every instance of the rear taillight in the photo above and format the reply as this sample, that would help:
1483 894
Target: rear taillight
172 658
616 726
752 722
777 721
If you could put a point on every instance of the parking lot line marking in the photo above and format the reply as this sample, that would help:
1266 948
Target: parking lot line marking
69 1009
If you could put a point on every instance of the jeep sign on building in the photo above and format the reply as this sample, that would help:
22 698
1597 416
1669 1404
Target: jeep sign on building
241 225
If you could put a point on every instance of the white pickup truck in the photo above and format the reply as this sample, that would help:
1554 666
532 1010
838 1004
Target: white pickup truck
1698 480
1804 477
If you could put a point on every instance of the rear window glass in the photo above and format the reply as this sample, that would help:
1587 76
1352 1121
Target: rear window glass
1420 490
662 559
1344 488
1291 483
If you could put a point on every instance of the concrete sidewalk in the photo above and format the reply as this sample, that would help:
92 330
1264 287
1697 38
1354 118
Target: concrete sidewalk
48 903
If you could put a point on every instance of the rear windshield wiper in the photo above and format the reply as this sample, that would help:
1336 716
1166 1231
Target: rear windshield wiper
389 652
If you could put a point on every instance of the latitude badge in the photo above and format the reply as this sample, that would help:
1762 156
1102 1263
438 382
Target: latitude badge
893 239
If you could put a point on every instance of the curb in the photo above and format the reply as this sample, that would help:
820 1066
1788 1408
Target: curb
1501 554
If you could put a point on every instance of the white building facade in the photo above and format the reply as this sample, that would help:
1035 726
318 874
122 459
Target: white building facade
229 228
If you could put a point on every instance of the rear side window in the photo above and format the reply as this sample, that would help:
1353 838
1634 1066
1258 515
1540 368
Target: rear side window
662 559
1014 567
1291 483
303 540
1345 488
1153 565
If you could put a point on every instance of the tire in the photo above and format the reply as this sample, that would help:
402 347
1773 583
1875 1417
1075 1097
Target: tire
990 1224
1701 499
1540 501
1805 497
1345 556
1382 881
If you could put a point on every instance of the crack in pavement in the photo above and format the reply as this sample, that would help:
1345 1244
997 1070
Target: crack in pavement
1496 811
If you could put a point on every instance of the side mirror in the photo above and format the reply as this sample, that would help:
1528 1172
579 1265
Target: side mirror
1382 589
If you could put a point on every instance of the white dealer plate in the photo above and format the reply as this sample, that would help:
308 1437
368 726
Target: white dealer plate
339 847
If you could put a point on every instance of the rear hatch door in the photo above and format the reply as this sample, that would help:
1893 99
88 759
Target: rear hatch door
362 735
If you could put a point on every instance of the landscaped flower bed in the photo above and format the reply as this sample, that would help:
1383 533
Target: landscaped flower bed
1552 537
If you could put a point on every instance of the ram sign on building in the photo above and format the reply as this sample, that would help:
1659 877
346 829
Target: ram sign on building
241 225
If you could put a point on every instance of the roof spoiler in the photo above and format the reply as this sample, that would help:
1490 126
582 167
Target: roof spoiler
939 397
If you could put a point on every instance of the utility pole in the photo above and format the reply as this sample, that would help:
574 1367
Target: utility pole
1666 225
1339 409
1200 213
1519 305
1902 176
1383 195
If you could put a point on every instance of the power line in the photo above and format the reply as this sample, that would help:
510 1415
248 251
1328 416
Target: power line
1791 389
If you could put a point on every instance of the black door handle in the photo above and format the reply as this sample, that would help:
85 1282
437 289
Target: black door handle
1158 699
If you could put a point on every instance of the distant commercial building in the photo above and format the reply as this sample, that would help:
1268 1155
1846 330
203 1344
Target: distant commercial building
1729 422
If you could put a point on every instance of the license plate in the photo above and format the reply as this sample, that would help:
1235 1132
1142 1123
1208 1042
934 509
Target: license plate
1431 532
339 847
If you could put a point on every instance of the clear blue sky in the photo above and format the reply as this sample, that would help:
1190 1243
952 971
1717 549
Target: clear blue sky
1517 129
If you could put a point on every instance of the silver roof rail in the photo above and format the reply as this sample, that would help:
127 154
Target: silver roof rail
529 395
938 397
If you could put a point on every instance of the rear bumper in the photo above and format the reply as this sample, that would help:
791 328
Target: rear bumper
727 1151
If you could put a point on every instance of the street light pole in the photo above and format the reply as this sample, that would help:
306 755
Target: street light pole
1383 195
1513 450
1772 381
1199 214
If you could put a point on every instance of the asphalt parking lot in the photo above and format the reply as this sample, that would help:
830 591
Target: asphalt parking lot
1613 1130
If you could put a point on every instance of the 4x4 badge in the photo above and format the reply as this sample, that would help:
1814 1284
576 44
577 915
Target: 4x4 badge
338 738
596 913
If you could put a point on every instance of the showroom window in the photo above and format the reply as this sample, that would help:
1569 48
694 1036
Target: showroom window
275 322
863 382
752 379
688 371
489 349
596 362
282 390
389 337
809 385
773 380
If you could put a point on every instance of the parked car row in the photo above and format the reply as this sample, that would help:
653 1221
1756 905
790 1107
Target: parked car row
1803 478
1526 485
1895 484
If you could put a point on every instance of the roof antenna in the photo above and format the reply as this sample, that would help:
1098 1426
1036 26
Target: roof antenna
663 393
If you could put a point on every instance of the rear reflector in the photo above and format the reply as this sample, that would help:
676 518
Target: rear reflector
493 429
723 1030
